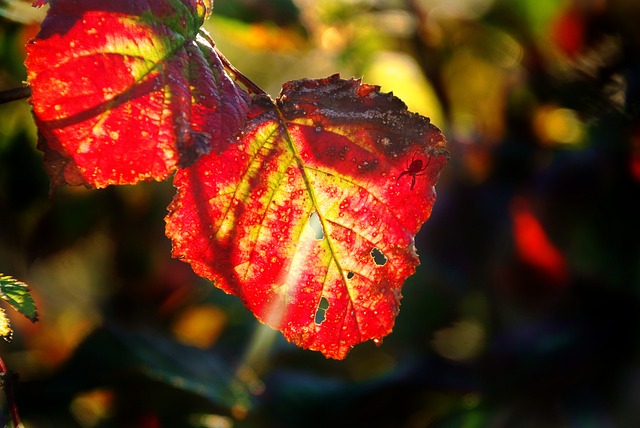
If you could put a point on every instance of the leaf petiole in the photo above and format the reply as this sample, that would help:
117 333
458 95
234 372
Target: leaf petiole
237 74
6 383
14 94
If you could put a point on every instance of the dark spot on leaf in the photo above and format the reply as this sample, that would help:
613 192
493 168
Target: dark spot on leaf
343 152
314 222
330 151
350 275
367 165
321 312
378 257
194 147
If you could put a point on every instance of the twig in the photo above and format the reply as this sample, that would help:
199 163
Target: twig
237 74
252 87
14 94
7 385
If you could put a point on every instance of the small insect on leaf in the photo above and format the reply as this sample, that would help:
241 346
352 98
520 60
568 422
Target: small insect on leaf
414 169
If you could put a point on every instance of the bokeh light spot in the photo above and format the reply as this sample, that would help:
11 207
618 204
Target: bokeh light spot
463 341
91 408
558 125
200 325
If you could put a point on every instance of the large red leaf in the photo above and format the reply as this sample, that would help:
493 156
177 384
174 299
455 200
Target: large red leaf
309 218
128 90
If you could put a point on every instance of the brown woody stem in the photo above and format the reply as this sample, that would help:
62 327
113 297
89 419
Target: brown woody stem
237 74
7 385
14 94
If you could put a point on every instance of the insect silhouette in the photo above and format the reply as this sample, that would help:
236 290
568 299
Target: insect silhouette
414 169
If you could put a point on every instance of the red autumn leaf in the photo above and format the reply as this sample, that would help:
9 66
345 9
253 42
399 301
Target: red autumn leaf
310 216
128 90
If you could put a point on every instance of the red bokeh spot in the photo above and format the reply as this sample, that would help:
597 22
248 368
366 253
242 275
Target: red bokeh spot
533 246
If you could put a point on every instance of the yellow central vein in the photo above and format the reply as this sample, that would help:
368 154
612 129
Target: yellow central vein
246 177
314 202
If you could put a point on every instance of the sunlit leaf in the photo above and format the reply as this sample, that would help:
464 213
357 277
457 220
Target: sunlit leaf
17 294
124 91
310 217
5 326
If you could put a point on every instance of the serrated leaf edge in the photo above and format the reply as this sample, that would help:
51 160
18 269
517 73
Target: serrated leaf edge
8 280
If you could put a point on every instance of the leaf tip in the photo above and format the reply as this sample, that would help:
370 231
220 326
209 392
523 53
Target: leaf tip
18 296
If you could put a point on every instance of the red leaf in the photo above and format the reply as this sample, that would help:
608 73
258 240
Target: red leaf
128 90
308 218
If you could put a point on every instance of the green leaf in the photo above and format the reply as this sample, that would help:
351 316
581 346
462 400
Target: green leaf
17 294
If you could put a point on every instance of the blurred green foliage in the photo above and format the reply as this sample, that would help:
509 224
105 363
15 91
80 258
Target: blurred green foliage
525 311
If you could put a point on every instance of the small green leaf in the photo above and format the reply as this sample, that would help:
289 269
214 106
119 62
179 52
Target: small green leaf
17 294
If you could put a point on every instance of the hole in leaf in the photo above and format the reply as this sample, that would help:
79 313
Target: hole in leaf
350 275
321 312
314 222
378 257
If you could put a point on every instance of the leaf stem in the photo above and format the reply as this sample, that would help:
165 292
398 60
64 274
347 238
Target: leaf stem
14 94
252 87
237 74
7 384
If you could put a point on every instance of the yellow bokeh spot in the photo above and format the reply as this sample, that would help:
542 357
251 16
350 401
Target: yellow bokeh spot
400 73
555 125
332 39
200 325
211 421
92 407
463 341
476 89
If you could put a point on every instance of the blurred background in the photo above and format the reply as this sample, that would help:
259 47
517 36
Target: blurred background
525 311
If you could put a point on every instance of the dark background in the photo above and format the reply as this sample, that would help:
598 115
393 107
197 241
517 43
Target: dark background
525 311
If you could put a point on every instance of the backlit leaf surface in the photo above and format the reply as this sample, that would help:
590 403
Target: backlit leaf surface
17 294
5 326
128 90
308 217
